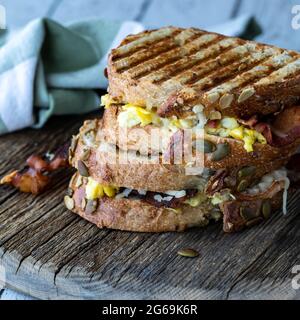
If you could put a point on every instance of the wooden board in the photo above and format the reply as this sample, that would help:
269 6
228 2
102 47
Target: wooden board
261 259
49 253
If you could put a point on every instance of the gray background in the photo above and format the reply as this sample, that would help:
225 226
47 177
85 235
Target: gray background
274 16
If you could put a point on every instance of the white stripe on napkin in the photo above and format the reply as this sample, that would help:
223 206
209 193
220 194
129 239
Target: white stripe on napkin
16 104
90 77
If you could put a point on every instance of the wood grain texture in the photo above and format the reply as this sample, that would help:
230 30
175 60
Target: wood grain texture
50 253
9 294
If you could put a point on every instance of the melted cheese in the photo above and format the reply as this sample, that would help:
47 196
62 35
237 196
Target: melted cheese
133 115
229 127
266 182
95 190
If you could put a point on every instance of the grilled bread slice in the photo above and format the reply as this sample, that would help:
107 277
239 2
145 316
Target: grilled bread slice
174 69
134 214
111 166
105 163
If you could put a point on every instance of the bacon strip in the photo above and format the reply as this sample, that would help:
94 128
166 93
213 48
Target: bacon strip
216 182
35 176
289 138
251 122
232 219
283 131
174 203
265 130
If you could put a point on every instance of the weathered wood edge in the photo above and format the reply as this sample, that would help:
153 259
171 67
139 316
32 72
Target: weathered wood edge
102 290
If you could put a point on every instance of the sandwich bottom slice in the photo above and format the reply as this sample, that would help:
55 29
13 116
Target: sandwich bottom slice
146 211
151 197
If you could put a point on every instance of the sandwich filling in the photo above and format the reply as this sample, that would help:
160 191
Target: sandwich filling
132 115
193 197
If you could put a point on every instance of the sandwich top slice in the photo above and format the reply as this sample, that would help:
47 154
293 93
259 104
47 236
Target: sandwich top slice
173 70
178 79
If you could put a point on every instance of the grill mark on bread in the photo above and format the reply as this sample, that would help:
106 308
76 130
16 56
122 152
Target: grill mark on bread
181 73
180 68
291 68
144 55
246 78
210 63
254 82
135 44
171 56
147 46
229 72
200 71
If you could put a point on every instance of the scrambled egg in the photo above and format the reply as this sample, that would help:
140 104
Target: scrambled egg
229 127
106 101
195 201
132 115
220 197
95 190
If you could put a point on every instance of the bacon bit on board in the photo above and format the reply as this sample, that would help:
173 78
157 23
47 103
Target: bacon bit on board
34 177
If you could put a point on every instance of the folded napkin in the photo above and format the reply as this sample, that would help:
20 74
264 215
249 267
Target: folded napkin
49 69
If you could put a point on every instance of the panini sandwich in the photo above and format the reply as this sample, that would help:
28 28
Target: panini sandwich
238 102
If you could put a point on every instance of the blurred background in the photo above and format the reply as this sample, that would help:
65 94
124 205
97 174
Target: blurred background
274 16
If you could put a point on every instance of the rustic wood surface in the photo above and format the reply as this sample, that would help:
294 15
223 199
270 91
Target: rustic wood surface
49 252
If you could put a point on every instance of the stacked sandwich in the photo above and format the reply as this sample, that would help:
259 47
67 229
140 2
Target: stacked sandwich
237 102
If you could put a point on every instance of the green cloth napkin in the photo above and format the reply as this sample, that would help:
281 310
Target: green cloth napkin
49 69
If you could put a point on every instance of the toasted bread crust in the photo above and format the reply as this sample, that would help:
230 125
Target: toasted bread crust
174 69
238 156
137 215
137 173
130 214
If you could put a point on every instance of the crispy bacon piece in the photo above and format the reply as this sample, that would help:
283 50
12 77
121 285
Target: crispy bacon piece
251 122
213 124
284 130
175 148
216 182
235 220
265 130
173 203
35 176
232 219
290 137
